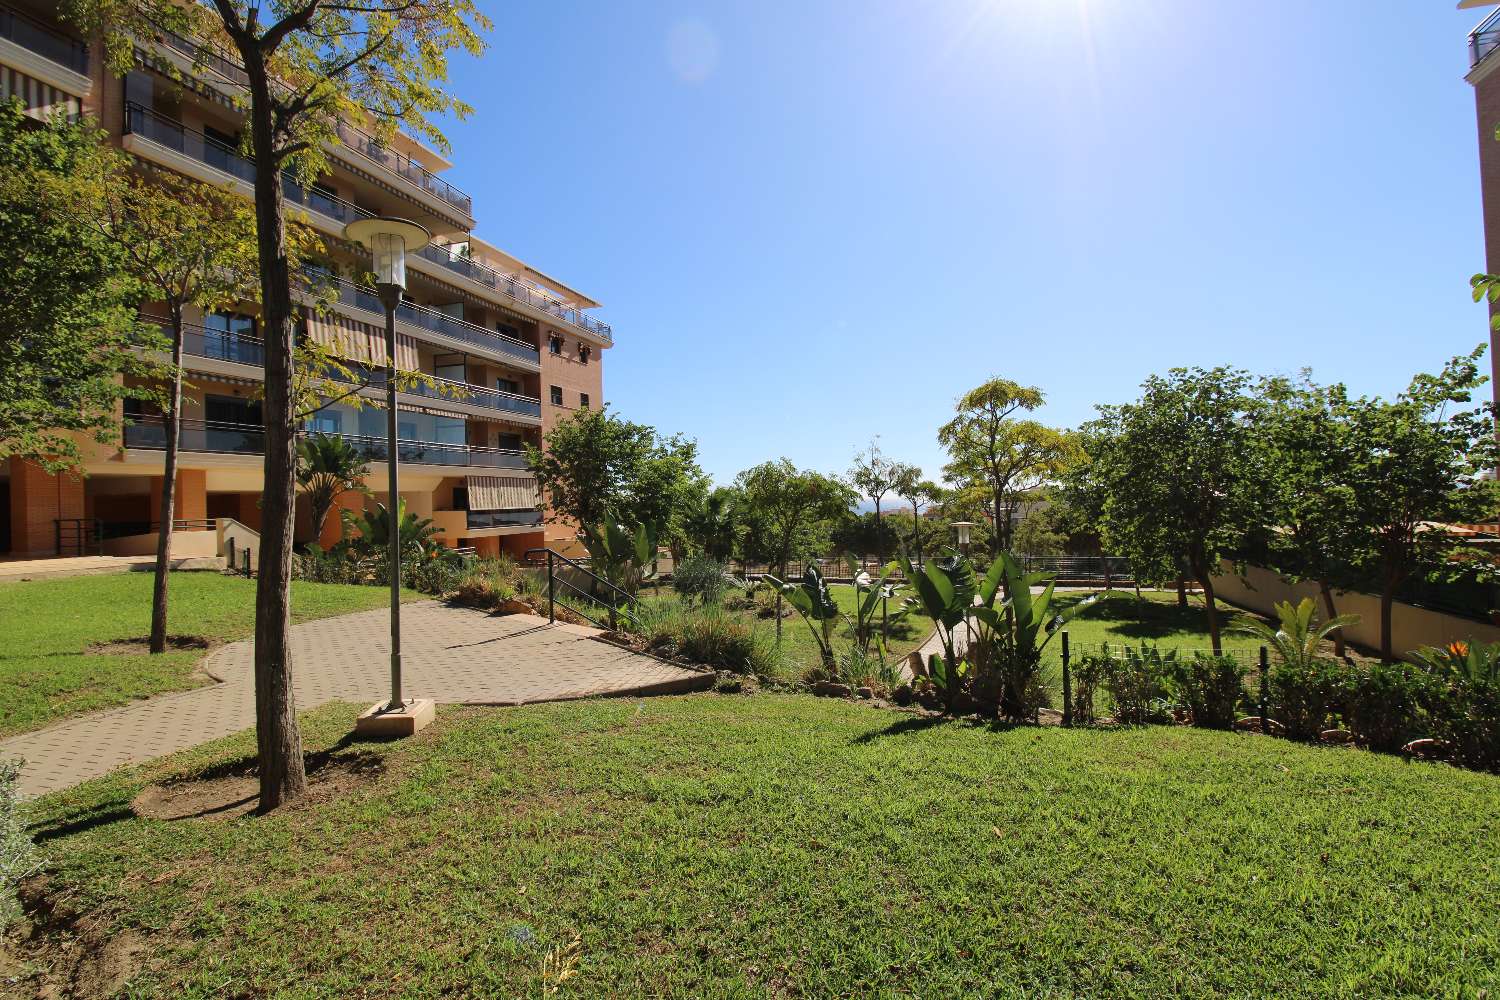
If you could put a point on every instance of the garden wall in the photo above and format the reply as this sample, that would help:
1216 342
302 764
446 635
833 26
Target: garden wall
1260 589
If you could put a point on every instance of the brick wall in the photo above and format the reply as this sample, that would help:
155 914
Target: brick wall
1487 113
573 376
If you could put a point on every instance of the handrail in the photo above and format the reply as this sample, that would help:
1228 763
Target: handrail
44 40
553 580
1484 39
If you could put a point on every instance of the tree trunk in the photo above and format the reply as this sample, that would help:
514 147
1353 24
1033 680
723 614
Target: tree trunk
1200 570
916 533
1338 633
1182 593
171 422
1387 599
278 742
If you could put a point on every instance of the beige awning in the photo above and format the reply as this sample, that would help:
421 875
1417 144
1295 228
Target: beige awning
503 493
355 341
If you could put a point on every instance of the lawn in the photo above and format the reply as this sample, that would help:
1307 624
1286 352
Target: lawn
1123 619
800 650
48 673
781 845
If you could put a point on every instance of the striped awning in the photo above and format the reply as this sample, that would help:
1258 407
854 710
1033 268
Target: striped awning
503 493
355 341
38 99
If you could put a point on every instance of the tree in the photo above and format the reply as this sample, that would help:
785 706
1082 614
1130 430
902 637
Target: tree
1038 532
1414 468
327 468
988 448
1178 475
190 245
1302 433
715 525
68 332
787 506
918 492
874 476
596 468
309 64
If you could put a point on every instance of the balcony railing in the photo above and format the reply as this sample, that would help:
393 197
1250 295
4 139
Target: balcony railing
360 297
1484 39
45 41
516 289
366 145
503 518
464 392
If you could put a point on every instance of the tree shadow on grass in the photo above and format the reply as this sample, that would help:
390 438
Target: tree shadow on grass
81 820
905 726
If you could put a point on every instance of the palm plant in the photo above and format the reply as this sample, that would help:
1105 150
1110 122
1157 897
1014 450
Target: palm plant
327 468
374 531
1298 638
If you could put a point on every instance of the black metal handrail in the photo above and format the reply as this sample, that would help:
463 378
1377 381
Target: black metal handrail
84 535
621 601
45 41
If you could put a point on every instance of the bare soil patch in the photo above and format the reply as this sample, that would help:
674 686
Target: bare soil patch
137 647
221 796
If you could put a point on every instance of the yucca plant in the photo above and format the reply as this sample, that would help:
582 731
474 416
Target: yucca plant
1299 638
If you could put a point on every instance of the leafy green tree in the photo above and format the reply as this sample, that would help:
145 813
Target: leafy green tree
1004 457
863 534
191 245
327 468
918 493
1038 533
309 64
1177 474
1414 468
788 508
715 526
596 468
874 476
68 331
1310 514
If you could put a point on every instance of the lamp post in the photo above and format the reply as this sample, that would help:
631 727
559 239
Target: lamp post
962 527
387 240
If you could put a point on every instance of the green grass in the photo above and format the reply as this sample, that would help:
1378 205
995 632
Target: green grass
715 846
800 649
47 674
1154 618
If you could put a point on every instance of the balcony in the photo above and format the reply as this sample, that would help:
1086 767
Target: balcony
360 142
477 520
173 135
247 439
517 290
1484 39
47 42
422 317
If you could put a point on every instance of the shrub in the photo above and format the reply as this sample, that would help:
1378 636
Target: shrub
1384 702
701 578
1136 681
335 566
1463 701
18 857
705 635
486 584
1210 687
1307 697
437 572
1086 675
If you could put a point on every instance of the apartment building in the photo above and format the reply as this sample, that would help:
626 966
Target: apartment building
514 348
1484 76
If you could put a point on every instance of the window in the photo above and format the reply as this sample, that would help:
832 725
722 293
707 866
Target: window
583 400
554 344
231 410
583 353
557 395
448 430
508 385
326 422
231 337
511 442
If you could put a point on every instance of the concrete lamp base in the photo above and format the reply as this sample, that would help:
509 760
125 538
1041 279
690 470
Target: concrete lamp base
380 722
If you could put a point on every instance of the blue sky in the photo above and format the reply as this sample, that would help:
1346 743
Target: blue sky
814 222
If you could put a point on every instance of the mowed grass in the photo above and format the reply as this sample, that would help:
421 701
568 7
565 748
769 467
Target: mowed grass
1120 618
47 626
782 845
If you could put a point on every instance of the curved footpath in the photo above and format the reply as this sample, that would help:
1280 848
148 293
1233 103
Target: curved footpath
453 655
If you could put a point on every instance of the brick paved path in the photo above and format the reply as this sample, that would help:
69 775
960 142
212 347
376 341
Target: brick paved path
453 655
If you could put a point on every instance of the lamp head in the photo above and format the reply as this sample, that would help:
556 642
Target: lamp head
388 240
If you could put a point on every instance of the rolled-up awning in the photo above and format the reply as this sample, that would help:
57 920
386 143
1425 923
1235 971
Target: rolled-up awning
503 493
355 341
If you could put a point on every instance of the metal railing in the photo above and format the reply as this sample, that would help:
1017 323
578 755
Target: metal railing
1484 39
78 536
463 392
503 518
601 597
248 439
45 41
423 317
516 289
356 139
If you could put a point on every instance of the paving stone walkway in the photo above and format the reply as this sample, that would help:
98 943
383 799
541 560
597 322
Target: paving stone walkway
453 655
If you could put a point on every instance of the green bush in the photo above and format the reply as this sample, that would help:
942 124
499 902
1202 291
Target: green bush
706 635
1465 711
486 584
1136 680
701 578
1308 697
18 857
335 566
1384 703
1210 688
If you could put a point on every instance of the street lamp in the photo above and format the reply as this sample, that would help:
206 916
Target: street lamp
388 240
962 527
